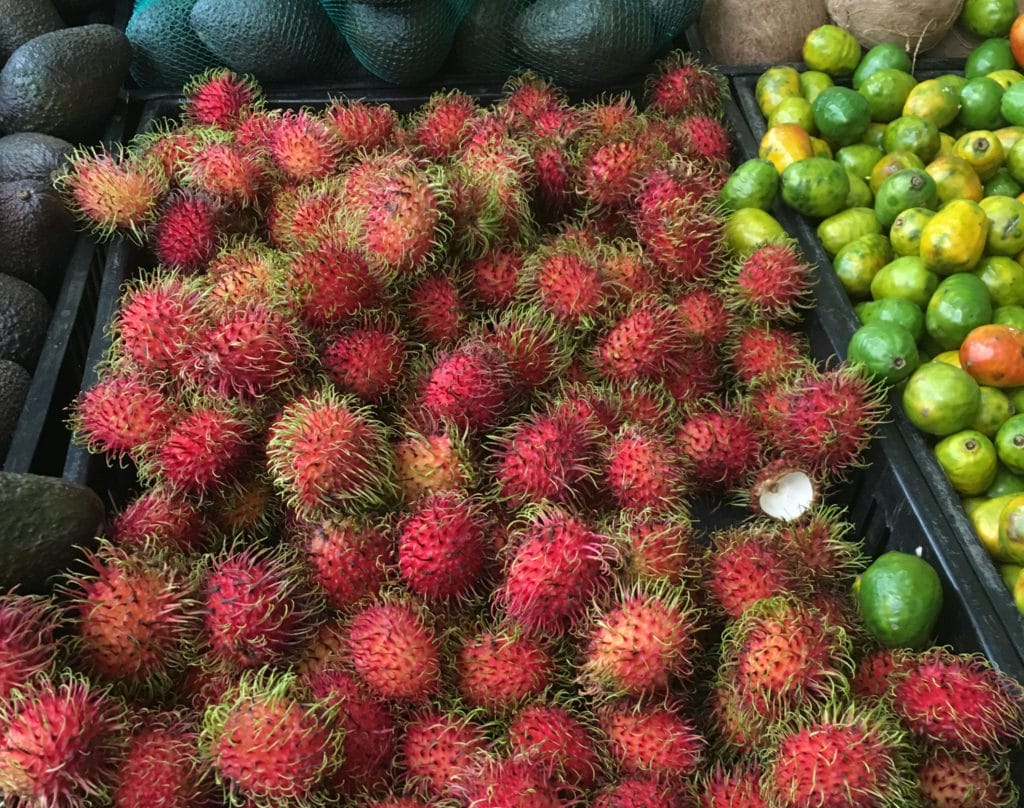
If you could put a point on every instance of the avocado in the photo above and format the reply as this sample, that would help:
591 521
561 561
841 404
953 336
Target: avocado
44 524
401 45
166 52
32 156
24 320
14 384
481 43
672 17
65 83
273 40
21 20
37 234
583 43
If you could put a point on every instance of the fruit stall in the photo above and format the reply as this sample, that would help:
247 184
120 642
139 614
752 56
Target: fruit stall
511 403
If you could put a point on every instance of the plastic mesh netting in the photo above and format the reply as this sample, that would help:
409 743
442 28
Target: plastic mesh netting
166 51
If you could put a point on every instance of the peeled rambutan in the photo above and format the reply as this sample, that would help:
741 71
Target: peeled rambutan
268 740
220 97
348 558
326 450
444 546
958 701
111 192
28 639
653 738
395 651
644 642
498 668
255 606
160 768
59 741
302 146
846 756
557 567
438 748
554 736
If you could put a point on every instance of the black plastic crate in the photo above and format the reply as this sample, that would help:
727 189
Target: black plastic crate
841 323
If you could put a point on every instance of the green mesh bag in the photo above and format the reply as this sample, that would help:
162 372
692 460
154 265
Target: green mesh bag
575 43
403 42
165 50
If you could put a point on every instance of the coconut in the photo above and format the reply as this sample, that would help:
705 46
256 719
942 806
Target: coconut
735 35
916 25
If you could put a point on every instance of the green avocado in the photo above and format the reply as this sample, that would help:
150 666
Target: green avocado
583 43
32 156
14 384
273 40
44 523
166 52
23 20
481 44
65 83
24 320
37 234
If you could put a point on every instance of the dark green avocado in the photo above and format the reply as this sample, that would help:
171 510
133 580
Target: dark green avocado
166 52
585 43
21 20
37 234
65 83
14 384
481 44
32 156
44 524
24 320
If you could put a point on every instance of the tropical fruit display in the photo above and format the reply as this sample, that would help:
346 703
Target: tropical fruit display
480 458
911 184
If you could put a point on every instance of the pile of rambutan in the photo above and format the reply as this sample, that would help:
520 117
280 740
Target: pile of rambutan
427 410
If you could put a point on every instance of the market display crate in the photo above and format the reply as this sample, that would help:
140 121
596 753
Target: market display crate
841 323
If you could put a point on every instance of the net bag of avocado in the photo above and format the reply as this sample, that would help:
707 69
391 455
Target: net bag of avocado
165 50
575 43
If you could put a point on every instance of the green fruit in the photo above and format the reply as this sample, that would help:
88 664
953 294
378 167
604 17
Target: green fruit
994 409
841 115
884 55
906 188
1009 443
893 310
886 92
980 104
969 460
753 184
988 18
900 597
859 261
941 399
886 350
815 186
960 304
992 54
906 277
841 228
1005 482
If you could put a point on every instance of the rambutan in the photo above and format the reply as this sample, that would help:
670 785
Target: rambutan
737 786
513 782
160 767
431 462
329 283
302 216
226 170
361 125
437 749
959 701
639 791
704 315
268 741
746 563
872 675
440 124
244 270
630 272
643 470
201 450
368 727
302 146
553 736
325 450
680 85
720 444
949 779
556 175
59 742
704 139
756 351
558 566
566 280
700 378
184 234
658 547
772 283
846 756
444 547
248 352
644 642
498 668
395 651
611 168
348 558
256 609
495 275
469 386
653 739
645 343
111 192
28 640
220 97
121 414
134 616
526 94
436 309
